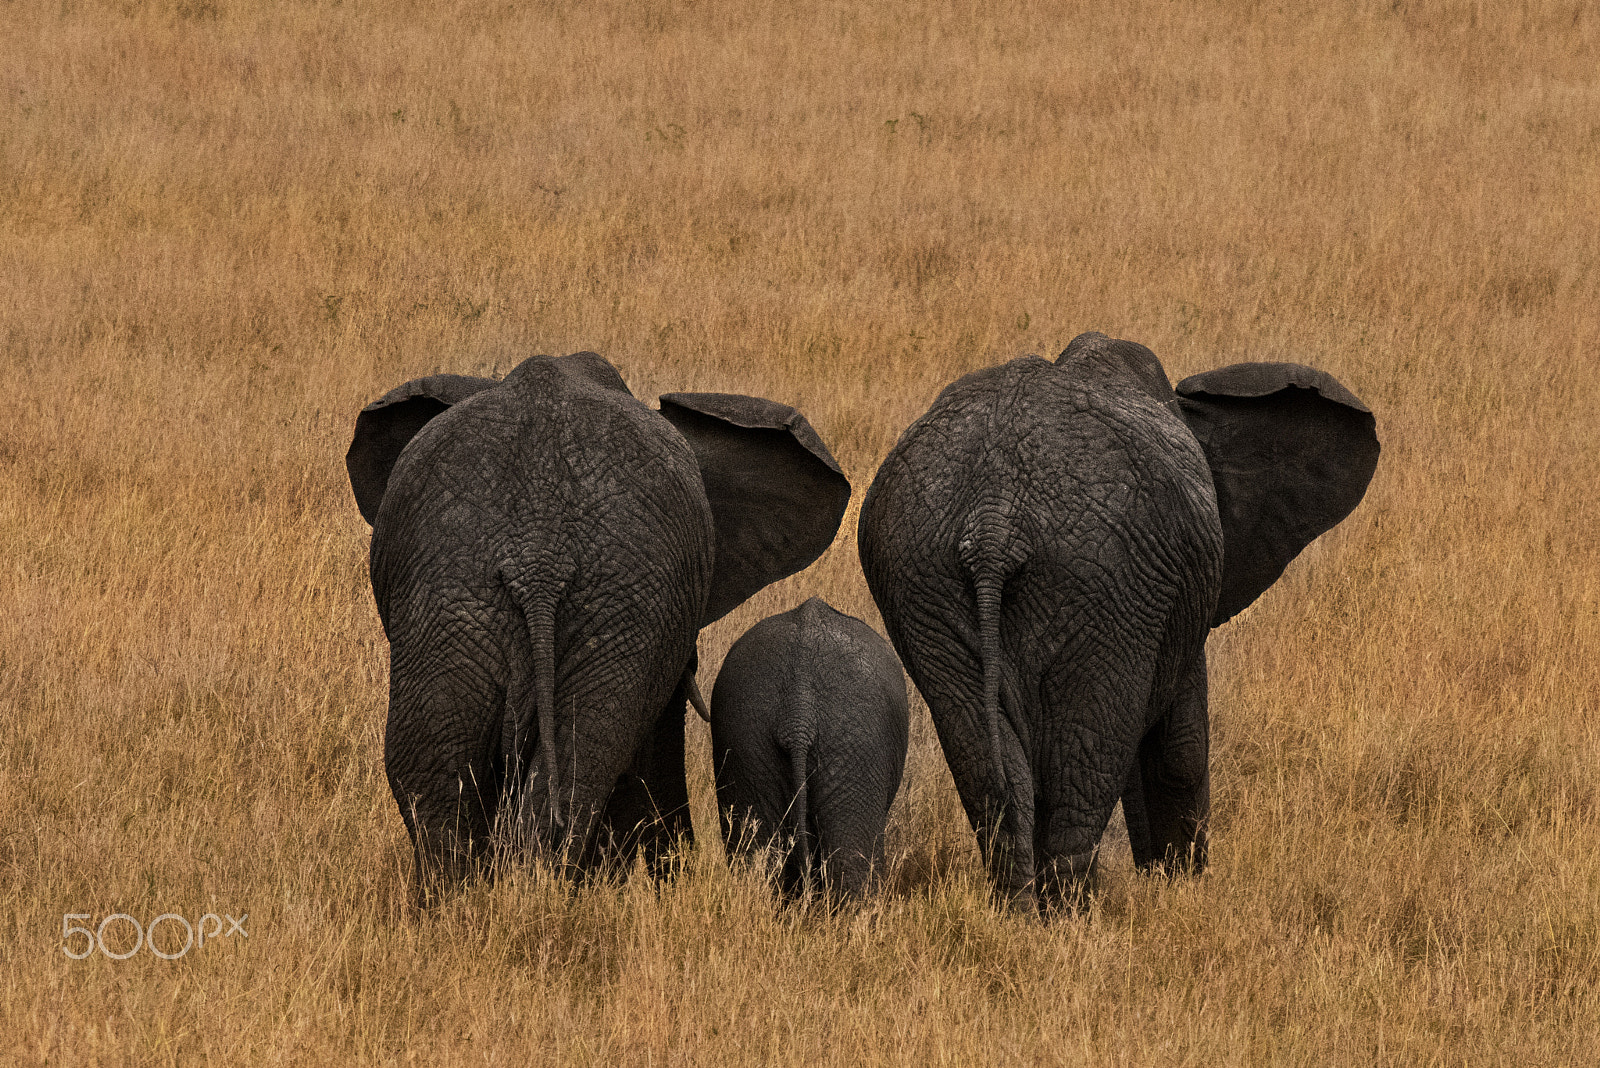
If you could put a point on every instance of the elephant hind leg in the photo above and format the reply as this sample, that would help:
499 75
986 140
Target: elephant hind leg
451 837
849 831
1007 840
1098 695
1067 843
445 780
648 810
1168 796
1064 881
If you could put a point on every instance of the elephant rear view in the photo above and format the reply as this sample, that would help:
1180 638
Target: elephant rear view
1049 546
544 552
809 726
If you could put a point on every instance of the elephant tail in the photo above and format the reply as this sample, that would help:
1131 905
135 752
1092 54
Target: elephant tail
988 588
992 550
801 814
798 737
531 702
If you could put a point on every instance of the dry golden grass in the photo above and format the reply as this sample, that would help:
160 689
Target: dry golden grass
224 226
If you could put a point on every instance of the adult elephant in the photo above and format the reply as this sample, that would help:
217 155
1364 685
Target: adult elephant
1049 546
544 552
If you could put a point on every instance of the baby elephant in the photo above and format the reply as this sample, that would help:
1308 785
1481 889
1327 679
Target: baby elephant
808 731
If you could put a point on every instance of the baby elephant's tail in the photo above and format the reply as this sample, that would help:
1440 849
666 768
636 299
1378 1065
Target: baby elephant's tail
800 815
799 735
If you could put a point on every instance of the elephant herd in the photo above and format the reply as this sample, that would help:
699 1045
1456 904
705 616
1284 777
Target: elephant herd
1048 546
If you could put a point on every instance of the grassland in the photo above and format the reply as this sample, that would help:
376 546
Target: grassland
224 226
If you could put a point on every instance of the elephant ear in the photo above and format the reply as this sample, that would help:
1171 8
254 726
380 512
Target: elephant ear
777 495
1291 452
385 426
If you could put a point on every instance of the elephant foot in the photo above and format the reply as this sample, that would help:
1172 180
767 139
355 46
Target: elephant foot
1182 859
442 871
1017 900
1066 883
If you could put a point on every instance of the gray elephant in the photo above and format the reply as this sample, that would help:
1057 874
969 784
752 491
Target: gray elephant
1050 545
544 552
809 725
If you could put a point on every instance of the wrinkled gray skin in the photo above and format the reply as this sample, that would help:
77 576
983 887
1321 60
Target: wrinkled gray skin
809 725
1049 546
544 552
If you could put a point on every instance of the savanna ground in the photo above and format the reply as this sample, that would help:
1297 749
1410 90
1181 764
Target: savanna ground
225 226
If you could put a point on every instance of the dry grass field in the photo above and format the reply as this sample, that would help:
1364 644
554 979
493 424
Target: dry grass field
225 225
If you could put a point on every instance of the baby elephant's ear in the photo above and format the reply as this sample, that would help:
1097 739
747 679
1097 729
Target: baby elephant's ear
1291 452
385 425
776 493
